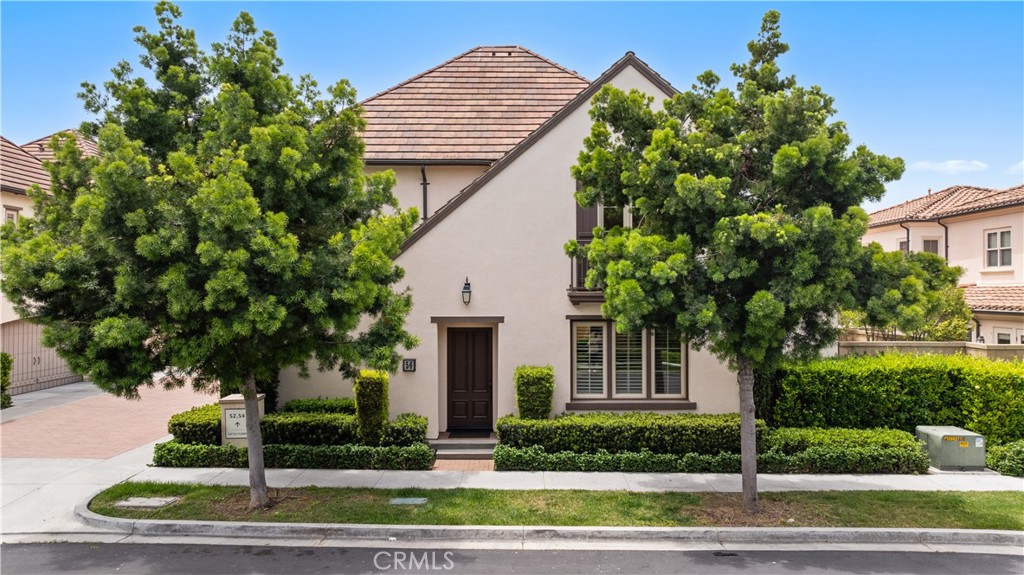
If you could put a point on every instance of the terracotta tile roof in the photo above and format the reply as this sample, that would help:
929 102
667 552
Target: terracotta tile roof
995 297
41 148
19 169
951 201
473 108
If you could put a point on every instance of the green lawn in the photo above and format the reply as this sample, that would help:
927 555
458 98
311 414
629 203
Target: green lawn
961 510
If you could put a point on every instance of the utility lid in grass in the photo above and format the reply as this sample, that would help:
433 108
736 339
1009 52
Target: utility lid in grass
408 501
146 502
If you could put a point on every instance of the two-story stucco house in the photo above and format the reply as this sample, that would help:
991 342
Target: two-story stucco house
35 366
482 145
978 229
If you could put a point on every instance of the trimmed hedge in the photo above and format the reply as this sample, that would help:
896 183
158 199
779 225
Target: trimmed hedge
1007 459
791 451
535 386
901 391
791 440
199 425
406 429
419 456
618 433
371 389
345 405
6 364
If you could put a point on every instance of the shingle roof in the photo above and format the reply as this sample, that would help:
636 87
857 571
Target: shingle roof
473 108
19 169
995 298
952 201
41 148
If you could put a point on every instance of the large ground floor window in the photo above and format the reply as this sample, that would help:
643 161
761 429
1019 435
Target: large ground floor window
647 364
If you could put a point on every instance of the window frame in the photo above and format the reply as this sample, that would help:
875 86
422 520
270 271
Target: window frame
999 249
938 244
903 246
11 211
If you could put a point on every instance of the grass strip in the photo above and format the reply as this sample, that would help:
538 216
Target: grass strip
910 509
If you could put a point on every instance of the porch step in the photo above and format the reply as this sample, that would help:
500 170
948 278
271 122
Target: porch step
464 453
463 444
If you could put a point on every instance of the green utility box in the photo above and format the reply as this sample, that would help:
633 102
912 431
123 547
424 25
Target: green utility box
953 449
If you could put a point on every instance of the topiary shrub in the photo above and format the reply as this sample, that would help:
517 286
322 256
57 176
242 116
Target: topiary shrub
345 405
199 425
535 386
371 389
406 429
1007 459
6 363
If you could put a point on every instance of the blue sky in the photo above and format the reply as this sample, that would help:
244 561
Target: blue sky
939 84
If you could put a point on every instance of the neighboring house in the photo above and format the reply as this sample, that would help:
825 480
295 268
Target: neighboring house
978 229
482 145
35 366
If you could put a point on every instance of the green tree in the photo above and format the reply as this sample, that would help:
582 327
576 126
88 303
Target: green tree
746 233
227 230
912 296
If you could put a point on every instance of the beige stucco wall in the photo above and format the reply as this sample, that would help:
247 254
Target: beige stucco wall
507 239
966 242
445 182
994 324
25 204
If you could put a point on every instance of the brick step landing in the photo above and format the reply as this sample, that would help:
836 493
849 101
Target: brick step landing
466 449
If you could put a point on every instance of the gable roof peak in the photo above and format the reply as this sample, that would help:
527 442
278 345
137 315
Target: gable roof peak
471 109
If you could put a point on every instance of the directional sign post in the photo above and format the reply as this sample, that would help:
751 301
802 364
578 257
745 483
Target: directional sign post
232 419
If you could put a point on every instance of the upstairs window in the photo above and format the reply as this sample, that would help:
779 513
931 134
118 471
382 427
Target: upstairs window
11 214
931 247
997 249
904 246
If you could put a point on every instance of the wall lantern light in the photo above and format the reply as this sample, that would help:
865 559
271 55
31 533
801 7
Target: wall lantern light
467 292
981 338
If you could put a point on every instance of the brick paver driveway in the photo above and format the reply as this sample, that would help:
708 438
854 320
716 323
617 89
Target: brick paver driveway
99 427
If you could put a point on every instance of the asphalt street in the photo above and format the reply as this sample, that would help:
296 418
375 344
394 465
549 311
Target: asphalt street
97 558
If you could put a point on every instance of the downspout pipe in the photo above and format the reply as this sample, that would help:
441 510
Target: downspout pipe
977 329
945 234
425 183
908 237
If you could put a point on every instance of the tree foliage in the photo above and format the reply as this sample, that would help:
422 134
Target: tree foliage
226 230
911 296
746 233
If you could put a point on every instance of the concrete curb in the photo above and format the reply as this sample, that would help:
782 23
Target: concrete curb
318 531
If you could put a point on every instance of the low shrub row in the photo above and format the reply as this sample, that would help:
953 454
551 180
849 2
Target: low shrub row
1007 459
416 457
790 451
627 432
201 425
901 391
6 364
345 405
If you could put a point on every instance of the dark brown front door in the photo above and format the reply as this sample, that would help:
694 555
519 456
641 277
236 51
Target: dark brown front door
469 378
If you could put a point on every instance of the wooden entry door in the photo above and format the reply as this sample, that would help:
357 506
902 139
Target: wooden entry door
470 379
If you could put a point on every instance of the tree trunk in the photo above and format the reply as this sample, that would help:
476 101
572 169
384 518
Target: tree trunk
258 498
748 436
